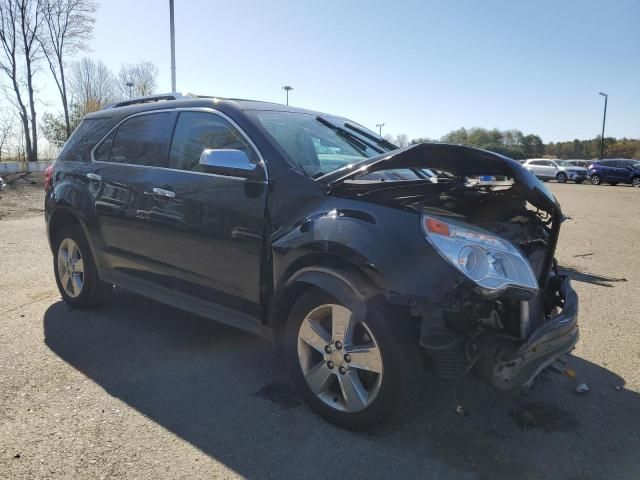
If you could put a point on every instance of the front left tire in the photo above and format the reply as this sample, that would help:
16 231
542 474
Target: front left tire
561 177
356 374
75 270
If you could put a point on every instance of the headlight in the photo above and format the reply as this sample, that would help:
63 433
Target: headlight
490 261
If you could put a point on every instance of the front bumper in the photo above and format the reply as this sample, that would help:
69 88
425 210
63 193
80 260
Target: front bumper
556 337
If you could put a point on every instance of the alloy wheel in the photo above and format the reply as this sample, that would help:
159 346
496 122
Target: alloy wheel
70 267
340 358
595 179
636 182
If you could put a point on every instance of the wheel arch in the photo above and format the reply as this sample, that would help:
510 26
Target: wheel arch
63 217
336 276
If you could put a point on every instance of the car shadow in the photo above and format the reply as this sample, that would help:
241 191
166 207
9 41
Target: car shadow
226 393
594 279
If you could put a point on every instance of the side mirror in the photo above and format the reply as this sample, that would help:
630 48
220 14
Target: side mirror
234 163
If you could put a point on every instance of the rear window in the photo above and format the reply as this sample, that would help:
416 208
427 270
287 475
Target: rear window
84 133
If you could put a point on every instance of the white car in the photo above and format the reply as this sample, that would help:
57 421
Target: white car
559 170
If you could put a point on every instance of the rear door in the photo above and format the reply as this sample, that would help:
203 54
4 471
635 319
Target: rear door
126 161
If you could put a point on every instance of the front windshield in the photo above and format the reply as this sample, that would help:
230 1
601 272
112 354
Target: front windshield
312 145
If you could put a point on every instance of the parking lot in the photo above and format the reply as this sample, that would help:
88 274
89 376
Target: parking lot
140 390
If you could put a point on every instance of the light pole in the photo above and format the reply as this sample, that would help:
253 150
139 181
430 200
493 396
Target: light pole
173 47
130 85
604 119
287 88
380 125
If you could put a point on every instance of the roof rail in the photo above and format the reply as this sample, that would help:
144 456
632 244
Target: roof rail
152 98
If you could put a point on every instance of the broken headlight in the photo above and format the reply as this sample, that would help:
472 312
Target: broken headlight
493 263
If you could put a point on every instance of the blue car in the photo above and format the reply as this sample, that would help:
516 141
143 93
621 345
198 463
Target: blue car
615 171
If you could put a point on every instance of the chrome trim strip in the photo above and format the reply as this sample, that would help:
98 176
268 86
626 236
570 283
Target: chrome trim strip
187 109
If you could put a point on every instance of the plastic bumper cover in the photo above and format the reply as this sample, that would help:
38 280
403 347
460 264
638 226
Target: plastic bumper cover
556 337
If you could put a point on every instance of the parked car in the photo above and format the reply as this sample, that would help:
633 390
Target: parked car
559 170
315 232
615 171
580 163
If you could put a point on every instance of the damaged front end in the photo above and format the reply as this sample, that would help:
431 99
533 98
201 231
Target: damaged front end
512 313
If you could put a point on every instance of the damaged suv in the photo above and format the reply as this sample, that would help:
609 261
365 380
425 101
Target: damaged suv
357 259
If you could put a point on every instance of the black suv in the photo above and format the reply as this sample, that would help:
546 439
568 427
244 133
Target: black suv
354 257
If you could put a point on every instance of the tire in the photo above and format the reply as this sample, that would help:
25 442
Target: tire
636 182
561 177
579 181
383 394
74 266
596 180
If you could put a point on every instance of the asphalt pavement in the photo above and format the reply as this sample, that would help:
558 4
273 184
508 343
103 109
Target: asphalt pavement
141 390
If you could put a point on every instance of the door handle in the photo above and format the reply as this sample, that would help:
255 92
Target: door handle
161 192
94 176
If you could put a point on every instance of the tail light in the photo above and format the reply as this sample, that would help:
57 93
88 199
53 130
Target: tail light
48 178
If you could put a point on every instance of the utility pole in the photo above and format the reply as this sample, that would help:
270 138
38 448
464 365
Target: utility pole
287 88
604 119
380 125
173 47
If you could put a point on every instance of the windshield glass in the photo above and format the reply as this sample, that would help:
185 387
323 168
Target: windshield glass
564 163
311 143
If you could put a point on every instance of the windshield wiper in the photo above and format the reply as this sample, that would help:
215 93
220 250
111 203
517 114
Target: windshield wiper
379 140
350 137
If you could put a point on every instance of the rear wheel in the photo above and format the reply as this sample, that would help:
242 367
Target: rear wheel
636 182
75 270
561 177
595 179
355 373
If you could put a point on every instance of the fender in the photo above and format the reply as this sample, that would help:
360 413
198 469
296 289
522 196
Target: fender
349 287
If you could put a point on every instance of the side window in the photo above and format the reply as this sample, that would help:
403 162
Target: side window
197 131
101 154
142 140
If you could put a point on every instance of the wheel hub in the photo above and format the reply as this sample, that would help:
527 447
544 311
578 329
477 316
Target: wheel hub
339 358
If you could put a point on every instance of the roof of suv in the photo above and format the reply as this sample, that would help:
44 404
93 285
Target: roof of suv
164 101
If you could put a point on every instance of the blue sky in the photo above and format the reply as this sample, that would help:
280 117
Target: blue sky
422 67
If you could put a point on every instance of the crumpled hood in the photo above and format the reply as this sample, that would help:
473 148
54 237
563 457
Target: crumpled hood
456 159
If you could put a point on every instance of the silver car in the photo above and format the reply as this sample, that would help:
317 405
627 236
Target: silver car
560 170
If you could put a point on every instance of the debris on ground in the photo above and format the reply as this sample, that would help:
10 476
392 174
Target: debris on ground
582 388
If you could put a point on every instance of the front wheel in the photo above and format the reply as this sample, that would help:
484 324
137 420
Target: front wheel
636 182
355 373
596 180
561 177
75 270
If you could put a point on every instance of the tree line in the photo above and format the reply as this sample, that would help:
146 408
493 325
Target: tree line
515 144
44 36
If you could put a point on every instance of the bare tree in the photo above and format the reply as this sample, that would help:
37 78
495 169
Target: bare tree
68 26
91 85
7 125
30 23
10 62
137 79
402 140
